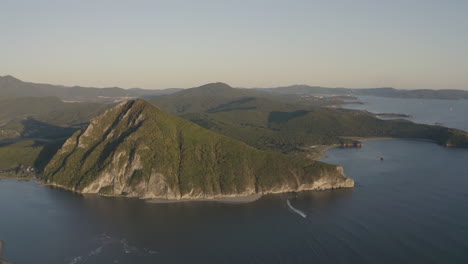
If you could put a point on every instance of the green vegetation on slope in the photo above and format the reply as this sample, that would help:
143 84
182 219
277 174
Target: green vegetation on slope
30 129
291 131
27 153
341 122
50 110
220 97
20 153
46 121
261 136
276 122
135 146
272 124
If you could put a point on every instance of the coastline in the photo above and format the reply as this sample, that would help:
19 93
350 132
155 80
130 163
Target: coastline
371 138
241 199
232 199
388 138
18 178
322 155
226 199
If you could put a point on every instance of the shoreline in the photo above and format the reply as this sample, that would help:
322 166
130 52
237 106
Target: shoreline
241 199
371 138
390 138
226 199
222 199
322 154
18 178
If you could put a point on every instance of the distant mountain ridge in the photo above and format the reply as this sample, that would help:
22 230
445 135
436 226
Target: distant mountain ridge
213 96
381 92
13 87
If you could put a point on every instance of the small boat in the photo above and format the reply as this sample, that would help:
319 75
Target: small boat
381 158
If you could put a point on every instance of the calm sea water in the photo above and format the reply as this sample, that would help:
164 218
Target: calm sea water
451 113
410 208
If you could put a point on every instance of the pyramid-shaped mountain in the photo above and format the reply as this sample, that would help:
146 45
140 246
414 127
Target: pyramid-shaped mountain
137 150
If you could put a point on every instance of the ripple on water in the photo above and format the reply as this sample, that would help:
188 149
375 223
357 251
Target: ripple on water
106 242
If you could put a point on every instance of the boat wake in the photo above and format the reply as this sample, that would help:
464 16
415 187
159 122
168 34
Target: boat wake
296 210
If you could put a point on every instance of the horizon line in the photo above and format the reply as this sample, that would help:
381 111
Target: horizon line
292 85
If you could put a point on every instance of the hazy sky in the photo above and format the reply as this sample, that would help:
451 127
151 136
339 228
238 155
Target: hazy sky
407 44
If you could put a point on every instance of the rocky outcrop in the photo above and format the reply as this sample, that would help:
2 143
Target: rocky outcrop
157 187
354 144
137 150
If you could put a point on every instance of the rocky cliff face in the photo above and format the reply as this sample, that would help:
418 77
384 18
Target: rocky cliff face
137 150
